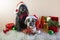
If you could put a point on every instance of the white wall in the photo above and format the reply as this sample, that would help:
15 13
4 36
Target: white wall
39 7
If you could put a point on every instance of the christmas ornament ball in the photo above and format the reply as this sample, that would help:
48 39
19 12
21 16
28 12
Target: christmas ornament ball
50 32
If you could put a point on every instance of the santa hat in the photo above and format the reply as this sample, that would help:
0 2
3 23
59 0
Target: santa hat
18 5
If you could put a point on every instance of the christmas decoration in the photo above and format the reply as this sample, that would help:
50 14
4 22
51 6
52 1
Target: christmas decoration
53 23
49 23
50 32
14 28
54 18
5 30
54 28
44 23
48 18
9 26
43 20
37 25
45 28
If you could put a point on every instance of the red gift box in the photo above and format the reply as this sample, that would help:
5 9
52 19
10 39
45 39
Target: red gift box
54 28
9 25
54 18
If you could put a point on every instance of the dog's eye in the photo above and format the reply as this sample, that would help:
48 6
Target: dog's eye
28 20
33 20
22 9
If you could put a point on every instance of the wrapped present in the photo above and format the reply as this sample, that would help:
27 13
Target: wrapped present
45 28
9 25
54 28
5 30
54 18
43 23
42 20
50 23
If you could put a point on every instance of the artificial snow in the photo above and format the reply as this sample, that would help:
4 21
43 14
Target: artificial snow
14 35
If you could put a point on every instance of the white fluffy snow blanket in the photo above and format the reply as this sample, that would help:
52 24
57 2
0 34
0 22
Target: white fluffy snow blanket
14 35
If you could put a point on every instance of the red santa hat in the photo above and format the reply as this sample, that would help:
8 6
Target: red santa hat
18 5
